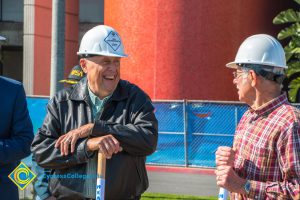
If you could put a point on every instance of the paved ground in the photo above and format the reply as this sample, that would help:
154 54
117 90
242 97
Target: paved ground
187 181
171 180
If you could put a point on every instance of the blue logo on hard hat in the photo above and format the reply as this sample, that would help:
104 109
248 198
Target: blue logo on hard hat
113 40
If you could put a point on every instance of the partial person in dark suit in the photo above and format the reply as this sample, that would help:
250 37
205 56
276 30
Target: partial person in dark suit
16 134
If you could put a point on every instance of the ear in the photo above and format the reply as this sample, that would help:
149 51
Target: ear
253 78
83 66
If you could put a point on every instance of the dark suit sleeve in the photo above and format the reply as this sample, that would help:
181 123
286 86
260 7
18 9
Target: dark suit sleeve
17 146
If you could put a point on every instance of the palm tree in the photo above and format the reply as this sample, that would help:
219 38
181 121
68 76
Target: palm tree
292 50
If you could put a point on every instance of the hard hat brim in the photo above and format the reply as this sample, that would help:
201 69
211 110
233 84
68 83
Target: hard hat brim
103 54
234 65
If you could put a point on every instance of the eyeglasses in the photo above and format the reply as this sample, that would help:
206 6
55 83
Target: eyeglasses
237 74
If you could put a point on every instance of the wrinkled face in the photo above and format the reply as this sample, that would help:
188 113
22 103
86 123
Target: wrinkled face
103 74
242 81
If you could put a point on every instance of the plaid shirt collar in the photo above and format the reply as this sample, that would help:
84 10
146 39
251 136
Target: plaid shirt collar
268 107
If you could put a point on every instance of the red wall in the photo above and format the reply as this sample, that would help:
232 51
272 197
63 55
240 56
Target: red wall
71 37
42 47
178 49
42 42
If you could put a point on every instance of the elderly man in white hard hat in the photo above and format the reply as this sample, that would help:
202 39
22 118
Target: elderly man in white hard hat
100 113
264 162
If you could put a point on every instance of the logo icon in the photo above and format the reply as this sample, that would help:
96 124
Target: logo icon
22 176
113 40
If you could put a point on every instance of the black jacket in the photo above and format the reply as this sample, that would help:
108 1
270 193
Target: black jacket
128 116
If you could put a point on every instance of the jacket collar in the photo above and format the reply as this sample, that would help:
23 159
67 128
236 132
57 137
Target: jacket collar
80 92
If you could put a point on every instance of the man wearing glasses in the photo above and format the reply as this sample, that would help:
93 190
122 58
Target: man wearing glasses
264 162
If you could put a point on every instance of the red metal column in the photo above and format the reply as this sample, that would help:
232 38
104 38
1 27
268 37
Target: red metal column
42 42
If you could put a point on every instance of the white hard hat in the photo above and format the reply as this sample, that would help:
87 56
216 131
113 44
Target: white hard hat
101 40
260 49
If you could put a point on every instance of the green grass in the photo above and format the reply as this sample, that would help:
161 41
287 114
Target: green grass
157 196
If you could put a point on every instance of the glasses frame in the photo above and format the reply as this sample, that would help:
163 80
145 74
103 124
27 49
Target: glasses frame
237 75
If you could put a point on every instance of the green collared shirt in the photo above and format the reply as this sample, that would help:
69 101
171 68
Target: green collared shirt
97 104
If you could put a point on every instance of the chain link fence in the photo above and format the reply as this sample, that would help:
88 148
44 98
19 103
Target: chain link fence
191 131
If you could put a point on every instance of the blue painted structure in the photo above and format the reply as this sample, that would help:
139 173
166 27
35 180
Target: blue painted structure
189 132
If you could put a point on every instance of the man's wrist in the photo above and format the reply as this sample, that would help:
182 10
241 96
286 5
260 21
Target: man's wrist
88 152
247 187
89 145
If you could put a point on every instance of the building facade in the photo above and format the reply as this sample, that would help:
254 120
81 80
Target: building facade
177 48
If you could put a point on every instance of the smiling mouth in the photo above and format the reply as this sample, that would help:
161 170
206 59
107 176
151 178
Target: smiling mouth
111 78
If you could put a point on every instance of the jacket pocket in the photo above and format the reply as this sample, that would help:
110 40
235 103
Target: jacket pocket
142 174
67 183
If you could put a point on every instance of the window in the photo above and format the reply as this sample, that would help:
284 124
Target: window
11 10
91 11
